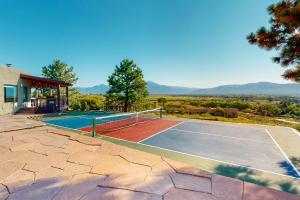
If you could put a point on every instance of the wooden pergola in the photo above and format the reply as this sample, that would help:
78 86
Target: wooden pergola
42 83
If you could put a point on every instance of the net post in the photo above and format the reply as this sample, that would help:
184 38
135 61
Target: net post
136 117
160 112
94 127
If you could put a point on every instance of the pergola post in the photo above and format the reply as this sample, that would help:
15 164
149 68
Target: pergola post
67 94
58 98
39 82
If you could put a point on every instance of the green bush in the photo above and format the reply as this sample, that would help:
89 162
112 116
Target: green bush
270 110
231 113
181 108
240 105
86 102
217 112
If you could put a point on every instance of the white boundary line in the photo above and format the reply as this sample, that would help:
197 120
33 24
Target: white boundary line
203 157
74 116
295 131
220 161
131 113
286 157
66 117
212 134
160 132
63 127
107 122
134 115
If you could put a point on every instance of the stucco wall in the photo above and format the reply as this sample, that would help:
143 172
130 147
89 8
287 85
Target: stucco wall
11 76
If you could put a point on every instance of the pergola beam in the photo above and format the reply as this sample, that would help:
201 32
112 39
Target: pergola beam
39 82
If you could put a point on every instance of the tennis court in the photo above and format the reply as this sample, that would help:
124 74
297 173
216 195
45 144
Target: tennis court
244 146
75 121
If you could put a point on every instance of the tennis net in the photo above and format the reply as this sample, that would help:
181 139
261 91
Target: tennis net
102 125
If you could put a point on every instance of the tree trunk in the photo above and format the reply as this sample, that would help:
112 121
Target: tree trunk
126 106
126 101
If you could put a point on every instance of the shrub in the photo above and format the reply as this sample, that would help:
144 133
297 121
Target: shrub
217 112
271 110
231 112
198 111
172 108
86 102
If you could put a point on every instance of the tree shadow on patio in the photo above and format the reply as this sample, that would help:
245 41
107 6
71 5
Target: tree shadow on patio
296 162
81 186
290 171
288 187
241 173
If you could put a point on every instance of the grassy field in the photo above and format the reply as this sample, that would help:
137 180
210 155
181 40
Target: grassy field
242 118
277 111
280 111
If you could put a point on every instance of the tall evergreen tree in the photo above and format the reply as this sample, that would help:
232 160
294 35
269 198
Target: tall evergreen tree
127 86
59 70
283 36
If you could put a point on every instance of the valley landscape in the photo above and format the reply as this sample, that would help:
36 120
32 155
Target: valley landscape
259 88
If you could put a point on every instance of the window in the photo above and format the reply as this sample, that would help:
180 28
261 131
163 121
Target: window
25 94
10 93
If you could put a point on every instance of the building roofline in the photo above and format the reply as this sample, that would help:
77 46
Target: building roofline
44 80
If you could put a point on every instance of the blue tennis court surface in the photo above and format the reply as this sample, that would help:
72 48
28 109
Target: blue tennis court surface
243 146
239 145
81 121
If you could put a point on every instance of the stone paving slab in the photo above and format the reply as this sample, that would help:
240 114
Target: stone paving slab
19 180
3 192
50 163
193 183
79 186
119 194
179 194
17 122
227 188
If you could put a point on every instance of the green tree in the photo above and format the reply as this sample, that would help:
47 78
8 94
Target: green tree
162 101
59 70
271 110
283 35
285 107
127 86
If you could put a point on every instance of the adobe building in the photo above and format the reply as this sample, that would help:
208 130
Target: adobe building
24 93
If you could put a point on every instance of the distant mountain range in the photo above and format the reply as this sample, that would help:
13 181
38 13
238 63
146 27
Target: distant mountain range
260 88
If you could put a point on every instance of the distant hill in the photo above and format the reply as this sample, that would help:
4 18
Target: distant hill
97 89
154 88
260 88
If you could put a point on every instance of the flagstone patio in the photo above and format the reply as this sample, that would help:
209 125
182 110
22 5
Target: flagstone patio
42 162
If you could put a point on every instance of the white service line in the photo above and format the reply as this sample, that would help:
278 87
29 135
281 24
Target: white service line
224 162
160 132
212 134
286 157
106 122
63 127
295 131
203 157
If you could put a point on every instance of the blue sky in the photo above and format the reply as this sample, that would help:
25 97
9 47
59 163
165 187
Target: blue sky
177 42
